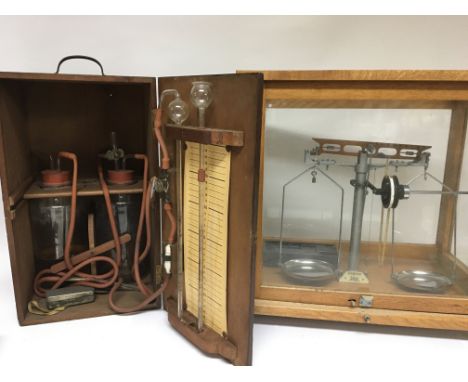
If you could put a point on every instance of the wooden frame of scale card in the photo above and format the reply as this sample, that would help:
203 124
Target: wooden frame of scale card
372 89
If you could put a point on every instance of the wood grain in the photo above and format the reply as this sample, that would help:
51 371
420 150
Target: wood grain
206 135
452 174
323 91
100 307
372 89
362 316
76 78
15 166
90 187
237 105
20 247
207 340
356 104
41 114
361 75
387 295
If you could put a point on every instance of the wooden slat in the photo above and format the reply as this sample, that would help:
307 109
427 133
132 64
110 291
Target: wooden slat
20 246
356 104
77 78
452 174
207 341
18 194
364 94
100 307
387 295
259 244
361 75
206 135
362 316
91 188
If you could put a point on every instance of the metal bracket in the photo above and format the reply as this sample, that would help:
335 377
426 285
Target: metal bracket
366 301
160 185
310 156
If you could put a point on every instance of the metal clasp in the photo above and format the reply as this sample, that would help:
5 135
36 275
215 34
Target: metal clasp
366 301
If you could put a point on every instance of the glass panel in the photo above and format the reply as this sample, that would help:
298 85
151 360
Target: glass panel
305 169
462 228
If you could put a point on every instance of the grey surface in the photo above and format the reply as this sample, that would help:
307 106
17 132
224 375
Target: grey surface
295 250
309 270
362 171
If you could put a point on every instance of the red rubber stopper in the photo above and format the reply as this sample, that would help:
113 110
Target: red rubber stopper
55 178
120 177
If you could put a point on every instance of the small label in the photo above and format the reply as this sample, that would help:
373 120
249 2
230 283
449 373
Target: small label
201 175
356 277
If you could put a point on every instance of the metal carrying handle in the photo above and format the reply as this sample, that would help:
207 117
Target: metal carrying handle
79 57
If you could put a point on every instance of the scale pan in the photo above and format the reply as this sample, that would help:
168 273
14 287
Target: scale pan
422 281
309 270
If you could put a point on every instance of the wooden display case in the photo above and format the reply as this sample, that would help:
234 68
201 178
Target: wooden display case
296 93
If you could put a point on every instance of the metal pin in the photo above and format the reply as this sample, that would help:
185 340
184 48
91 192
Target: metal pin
114 147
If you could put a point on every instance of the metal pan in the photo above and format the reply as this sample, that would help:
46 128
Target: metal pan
422 281
309 270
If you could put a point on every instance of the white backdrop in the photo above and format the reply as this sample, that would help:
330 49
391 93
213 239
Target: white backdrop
144 345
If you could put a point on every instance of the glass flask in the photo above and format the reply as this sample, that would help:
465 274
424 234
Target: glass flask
178 111
201 97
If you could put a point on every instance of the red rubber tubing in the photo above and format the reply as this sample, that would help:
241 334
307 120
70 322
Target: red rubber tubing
59 278
146 204
74 186
165 161
110 214
172 220
148 300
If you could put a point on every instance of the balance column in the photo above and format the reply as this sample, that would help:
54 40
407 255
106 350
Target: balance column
359 183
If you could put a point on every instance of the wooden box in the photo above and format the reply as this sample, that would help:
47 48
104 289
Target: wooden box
42 114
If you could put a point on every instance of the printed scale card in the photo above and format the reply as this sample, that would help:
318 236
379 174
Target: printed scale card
217 167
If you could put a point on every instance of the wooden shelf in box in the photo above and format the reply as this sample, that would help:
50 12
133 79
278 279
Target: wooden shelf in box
100 307
206 135
86 187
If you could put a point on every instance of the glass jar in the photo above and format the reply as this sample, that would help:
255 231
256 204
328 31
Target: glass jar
50 220
126 208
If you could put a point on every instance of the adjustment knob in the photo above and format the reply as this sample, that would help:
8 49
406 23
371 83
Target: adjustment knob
392 191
